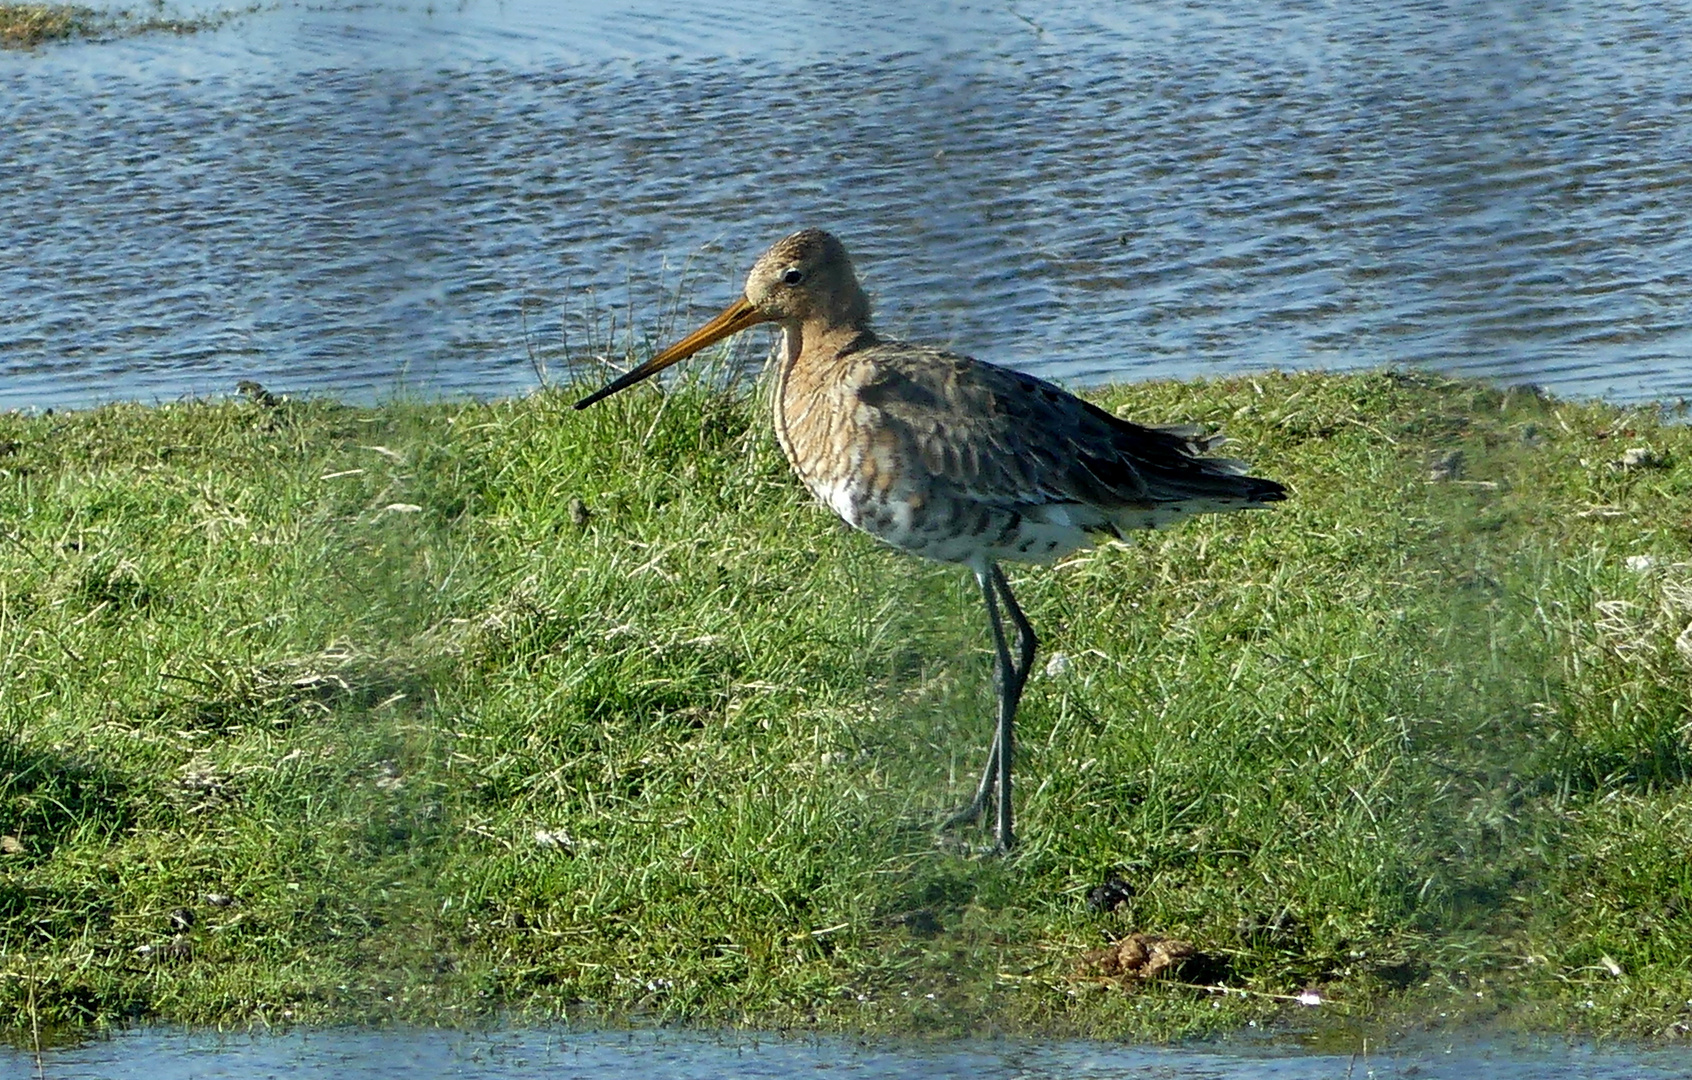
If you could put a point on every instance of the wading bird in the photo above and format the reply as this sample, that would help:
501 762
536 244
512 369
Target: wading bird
952 458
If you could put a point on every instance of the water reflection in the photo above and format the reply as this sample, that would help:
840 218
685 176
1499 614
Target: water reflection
362 198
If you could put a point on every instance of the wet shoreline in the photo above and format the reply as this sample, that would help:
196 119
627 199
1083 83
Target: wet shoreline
683 1054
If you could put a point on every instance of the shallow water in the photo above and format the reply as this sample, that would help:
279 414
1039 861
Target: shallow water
357 199
560 1055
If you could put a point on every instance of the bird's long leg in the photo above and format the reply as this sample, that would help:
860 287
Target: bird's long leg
970 814
1012 677
1026 642
1009 677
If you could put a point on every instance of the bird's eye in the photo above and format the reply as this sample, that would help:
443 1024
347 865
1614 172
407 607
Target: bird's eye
793 276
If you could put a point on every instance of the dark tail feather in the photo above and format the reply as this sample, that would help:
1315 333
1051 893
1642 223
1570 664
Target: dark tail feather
1265 491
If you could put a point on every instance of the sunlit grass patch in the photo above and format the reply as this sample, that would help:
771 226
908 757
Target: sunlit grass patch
24 26
27 25
441 711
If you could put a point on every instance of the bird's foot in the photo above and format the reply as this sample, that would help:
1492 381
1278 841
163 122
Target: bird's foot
969 814
963 848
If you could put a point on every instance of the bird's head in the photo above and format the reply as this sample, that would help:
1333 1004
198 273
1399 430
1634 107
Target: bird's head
804 279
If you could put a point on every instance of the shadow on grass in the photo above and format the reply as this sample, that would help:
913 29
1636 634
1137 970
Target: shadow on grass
1660 762
45 796
222 697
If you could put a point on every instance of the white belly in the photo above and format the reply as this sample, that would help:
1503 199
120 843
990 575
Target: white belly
957 530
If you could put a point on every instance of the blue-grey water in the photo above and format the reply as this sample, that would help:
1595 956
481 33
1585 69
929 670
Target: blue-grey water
451 198
559 1055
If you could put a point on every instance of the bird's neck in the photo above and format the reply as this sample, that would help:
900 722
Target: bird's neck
812 361
840 317
816 341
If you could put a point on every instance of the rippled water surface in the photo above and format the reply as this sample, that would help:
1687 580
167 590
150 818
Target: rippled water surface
554 1055
358 199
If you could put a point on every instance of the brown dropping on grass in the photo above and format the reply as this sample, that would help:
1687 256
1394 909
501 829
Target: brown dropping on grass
1138 957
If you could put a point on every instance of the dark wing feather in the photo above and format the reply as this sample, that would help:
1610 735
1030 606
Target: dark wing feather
1007 438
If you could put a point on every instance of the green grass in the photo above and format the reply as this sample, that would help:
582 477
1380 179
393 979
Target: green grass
443 712
26 26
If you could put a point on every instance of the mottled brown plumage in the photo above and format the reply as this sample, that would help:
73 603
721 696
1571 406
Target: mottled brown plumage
952 458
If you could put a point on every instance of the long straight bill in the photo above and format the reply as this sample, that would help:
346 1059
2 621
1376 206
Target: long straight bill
738 317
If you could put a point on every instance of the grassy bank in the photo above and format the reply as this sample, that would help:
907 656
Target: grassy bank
25 26
311 712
